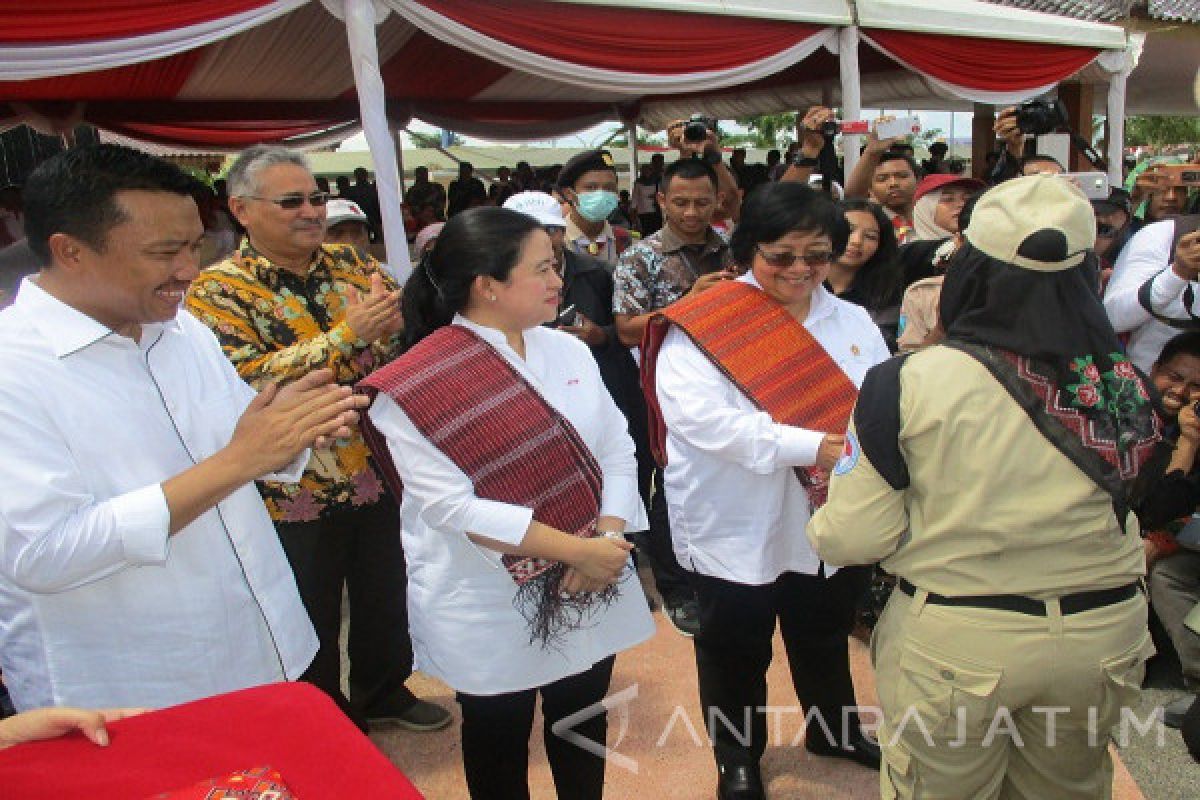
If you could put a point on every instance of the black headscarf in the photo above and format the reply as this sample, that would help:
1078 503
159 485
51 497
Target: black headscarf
1046 338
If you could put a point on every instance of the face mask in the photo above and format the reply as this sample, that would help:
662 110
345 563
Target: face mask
596 206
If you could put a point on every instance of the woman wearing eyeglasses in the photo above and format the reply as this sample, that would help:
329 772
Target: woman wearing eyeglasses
751 385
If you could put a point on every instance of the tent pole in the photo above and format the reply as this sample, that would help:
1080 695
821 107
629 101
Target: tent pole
1116 127
851 91
397 135
631 139
372 103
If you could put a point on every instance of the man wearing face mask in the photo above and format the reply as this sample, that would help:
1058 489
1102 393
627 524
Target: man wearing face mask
589 183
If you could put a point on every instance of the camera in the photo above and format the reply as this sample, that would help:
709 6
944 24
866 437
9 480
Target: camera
1038 117
697 127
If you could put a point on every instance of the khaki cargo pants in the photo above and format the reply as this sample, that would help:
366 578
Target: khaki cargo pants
982 704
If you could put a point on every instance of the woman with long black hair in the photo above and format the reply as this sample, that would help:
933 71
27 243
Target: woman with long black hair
519 482
868 272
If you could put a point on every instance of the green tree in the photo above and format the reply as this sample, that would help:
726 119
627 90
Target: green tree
431 139
1158 131
769 129
929 136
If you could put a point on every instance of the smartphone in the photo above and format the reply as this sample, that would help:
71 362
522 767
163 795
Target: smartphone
567 317
1180 174
1093 184
902 126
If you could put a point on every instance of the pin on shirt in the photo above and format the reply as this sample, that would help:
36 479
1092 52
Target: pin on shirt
854 350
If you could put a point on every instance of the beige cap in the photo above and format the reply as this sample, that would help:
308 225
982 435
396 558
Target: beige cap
1040 222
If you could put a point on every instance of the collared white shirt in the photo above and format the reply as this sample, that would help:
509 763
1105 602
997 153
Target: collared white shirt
99 607
1147 256
737 509
465 629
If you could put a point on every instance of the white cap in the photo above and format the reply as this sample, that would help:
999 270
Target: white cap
539 205
340 210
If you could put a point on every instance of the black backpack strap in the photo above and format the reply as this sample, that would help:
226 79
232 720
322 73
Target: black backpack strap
877 421
1183 226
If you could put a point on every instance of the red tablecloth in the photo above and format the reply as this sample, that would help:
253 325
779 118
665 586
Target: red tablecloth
292 727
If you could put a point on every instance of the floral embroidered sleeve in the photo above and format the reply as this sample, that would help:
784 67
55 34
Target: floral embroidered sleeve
248 332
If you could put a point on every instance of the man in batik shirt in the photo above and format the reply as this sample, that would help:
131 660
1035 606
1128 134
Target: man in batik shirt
282 306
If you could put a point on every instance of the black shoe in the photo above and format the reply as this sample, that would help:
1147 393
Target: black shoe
6 706
861 750
739 783
1176 710
684 617
421 717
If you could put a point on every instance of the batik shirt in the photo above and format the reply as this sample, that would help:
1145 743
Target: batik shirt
660 269
276 326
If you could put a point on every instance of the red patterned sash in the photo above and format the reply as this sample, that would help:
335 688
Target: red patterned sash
767 354
470 403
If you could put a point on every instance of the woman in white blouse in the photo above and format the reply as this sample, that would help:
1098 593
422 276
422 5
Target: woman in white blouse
460 413
740 477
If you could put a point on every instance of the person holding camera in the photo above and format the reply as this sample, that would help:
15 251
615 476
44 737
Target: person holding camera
1151 295
1001 501
1011 127
889 177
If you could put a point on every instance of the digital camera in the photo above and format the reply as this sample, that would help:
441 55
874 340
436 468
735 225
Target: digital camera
1039 117
697 127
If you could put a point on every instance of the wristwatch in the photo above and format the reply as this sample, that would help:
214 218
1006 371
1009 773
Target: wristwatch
804 161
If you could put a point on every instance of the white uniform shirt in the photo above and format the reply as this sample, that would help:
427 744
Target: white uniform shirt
737 509
99 606
1147 256
465 629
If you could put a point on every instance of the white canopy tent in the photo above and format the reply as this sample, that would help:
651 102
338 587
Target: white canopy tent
237 71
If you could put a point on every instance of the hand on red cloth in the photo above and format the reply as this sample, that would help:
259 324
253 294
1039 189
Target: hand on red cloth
294 727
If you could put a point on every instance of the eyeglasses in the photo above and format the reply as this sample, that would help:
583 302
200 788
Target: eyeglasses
291 202
815 259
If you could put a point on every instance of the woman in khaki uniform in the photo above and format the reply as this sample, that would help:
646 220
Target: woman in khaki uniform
993 476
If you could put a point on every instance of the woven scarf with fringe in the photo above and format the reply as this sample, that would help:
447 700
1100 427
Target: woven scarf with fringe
767 354
472 405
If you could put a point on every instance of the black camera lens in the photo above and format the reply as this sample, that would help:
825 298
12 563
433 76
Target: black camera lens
1038 117
829 129
695 132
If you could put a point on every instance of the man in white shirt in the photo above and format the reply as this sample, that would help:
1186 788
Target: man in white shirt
1151 295
138 566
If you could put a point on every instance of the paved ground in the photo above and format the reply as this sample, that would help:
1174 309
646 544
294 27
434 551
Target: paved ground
1161 765
672 764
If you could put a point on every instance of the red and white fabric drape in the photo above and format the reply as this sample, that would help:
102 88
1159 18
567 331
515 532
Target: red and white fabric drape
622 50
51 38
983 70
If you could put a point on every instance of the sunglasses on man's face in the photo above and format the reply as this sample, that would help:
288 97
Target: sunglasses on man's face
291 202
817 258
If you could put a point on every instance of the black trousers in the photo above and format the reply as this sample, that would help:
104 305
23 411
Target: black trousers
496 729
733 651
361 551
671 579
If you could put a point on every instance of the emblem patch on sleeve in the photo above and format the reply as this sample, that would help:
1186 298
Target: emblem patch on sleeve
849 457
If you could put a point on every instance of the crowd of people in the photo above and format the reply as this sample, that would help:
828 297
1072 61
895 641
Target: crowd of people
782 391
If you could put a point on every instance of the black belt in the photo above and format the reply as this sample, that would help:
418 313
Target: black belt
1068 603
